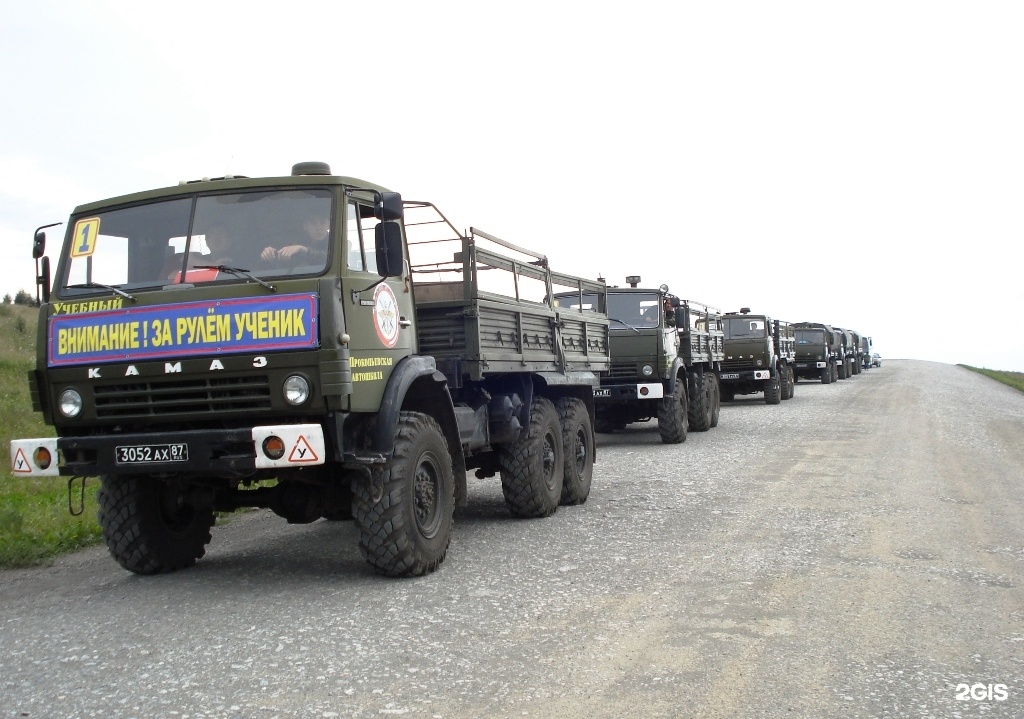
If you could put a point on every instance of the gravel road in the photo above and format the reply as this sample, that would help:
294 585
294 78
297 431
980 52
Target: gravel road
857 551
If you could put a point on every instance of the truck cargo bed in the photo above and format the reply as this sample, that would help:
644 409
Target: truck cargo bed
490 313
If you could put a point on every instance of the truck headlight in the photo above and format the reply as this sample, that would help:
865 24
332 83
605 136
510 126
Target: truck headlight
296 390
760 363
647 370
70 403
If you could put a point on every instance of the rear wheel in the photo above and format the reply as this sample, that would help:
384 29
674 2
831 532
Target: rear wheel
701 403
672 414
578 449
717 407
150 526
789 380
406 531
532 467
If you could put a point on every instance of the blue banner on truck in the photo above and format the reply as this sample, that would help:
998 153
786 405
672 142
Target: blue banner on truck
251 324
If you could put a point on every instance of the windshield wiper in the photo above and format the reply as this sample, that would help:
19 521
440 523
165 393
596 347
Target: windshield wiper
100 285
238 272
612 319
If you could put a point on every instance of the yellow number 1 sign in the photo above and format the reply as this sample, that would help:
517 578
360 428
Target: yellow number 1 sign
86 232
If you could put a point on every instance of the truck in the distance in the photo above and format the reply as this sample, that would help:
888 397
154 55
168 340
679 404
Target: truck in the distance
666 354
866 350
847 353
759 357
281 343
818 351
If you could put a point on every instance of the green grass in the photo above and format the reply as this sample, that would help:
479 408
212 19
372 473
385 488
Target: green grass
35 524
1014 379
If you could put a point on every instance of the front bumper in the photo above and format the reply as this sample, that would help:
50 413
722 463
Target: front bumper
746 376
199 451
629 392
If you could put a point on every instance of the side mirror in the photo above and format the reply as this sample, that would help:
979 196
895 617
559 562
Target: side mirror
387 237
39 245
389 207
43 278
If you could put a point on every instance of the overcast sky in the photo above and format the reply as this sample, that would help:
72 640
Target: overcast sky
860 164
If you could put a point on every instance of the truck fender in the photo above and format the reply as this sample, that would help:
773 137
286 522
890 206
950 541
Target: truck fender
678 368
416 384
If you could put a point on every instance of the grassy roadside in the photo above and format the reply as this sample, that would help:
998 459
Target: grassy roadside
1014 379
35 524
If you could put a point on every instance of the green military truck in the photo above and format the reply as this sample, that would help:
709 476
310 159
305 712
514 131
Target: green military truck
759 357
312 345
818 349
847 354
666 354
857 352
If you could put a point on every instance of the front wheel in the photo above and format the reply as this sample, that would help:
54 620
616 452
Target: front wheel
532 467
773 389
672 414
406 531
151 526
578 449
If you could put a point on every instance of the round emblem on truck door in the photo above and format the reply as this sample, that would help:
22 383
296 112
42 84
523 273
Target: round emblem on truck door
385 315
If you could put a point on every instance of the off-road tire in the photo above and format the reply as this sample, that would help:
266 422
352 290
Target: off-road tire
578 448
786 378
406 531
835 372
151 527
701 403
673 418
532 467
717 406
773 389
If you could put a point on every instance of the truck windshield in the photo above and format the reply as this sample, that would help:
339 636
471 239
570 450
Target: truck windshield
810 337
187 239
740 327
634 309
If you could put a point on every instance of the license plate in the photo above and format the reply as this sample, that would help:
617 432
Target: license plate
149 453
730 375
602 393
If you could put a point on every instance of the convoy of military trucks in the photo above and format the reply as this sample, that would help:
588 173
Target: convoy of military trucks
317 346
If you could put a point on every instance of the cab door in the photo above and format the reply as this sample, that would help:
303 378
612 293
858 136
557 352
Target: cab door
378 312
